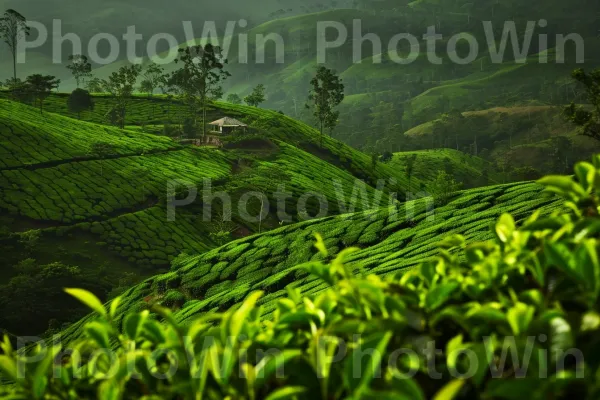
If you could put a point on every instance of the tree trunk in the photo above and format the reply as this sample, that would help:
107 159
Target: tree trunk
203 119
15 65
321 123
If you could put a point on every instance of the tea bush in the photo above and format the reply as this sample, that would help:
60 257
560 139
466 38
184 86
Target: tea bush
512 318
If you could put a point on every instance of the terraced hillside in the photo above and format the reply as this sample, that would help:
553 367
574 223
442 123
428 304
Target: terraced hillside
420 91
511 138
467 169
107 214
391 240
151 114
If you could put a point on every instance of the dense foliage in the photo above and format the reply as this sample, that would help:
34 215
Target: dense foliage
511 318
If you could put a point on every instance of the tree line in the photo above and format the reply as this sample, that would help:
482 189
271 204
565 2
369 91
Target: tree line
196 83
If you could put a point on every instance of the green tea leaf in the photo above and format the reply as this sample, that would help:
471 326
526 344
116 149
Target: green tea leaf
450 391
8 366
519 317
269 365
89 299
361 368
113 306
320 245
98 332
133 324
407 387
440 295
586 174
289 392
505 227
563 185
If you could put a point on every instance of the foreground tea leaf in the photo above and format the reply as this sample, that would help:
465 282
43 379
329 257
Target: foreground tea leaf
89 299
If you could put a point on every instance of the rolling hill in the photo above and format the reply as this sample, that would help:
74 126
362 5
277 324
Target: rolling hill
421 91
465 168
514 140
107 213
390 239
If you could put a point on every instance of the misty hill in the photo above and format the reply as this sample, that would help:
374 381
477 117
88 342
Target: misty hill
520 143
384 100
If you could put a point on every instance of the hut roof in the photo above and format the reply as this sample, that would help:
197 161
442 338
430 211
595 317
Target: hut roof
227 121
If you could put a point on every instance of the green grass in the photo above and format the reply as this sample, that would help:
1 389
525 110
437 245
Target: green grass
391 240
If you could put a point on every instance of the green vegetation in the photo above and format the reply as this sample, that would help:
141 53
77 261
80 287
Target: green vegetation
531 292
465 168
589 120
80 68
40 87
391 239
254 99
326 93
13 28
189 233
200 78
99 194
509 139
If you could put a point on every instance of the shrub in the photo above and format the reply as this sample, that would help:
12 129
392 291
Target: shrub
512 318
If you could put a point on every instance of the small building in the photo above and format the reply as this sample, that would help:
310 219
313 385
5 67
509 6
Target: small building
218 129
227 125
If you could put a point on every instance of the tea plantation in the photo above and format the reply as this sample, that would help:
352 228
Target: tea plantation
143 114
390 239
29 138
471 171
109 211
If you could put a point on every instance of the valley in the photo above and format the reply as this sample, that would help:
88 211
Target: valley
326 178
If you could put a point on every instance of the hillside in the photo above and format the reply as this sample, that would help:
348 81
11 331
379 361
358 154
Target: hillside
107 214
467 169
514 140
421 91
153 114
390 239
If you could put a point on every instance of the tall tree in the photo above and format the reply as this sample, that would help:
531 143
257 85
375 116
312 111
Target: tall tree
95 85
80 67
257 97
120 85
170 88
234 98
13 28
18 89
200 77
152 78
40 87
80 100
326 93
